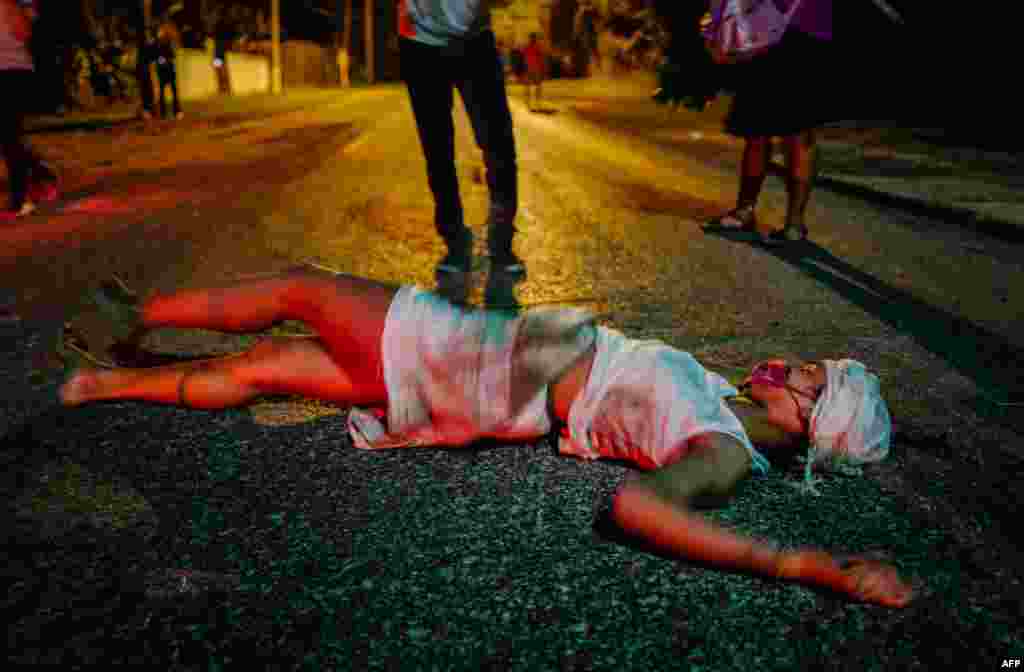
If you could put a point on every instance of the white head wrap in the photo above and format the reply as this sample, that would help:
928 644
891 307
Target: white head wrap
850 423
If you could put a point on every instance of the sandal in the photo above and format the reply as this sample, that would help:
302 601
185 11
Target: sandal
789 234
738 220
73 352
130 355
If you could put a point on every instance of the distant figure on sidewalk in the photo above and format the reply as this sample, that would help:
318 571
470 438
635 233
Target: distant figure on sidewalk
145 61
536 69
446 45
776 97
112 54
223 36
344 67
517 63
166 72
585 30
27 174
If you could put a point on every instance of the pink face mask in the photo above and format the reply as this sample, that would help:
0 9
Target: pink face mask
775 374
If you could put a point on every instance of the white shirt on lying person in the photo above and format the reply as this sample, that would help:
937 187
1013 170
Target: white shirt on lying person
644 401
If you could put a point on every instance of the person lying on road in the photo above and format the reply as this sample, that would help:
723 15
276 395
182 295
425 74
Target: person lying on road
421 371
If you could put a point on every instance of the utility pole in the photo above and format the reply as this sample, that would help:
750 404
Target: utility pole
370 50
275 46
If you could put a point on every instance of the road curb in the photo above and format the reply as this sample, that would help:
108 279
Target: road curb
996 227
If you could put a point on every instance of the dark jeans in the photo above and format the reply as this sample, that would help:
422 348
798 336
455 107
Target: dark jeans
472 67
145 87
22 163
168 77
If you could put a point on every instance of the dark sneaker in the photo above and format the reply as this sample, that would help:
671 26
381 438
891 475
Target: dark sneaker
507 262
43 183
459 259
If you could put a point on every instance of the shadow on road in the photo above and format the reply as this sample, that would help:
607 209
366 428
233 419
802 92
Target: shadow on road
946 214
985 357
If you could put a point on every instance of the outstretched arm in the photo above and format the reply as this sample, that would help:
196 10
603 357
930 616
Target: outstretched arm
658 507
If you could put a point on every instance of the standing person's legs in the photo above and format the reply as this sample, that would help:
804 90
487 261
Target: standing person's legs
757 152
753 169
800 174
163 83
173 80
145 89
427 78
16 153
482 88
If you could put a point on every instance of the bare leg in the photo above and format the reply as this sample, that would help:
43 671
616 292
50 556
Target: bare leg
800 172
276 366
756 154
346 312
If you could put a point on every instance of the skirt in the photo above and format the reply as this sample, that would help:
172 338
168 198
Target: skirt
791 88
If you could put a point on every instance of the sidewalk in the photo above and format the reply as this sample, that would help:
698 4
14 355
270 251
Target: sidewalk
915 169
912 168
125 114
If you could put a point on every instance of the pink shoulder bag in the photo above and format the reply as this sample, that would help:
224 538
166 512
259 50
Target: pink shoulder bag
742 29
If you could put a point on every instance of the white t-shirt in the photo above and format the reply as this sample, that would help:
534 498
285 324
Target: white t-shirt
438 22
643 402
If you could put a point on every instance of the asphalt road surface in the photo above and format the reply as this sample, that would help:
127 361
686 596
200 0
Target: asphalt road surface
205 537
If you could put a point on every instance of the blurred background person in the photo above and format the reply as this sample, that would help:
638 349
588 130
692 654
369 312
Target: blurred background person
536 69
145 61
166 72
446 45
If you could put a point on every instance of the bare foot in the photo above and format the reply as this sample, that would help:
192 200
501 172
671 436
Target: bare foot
79 387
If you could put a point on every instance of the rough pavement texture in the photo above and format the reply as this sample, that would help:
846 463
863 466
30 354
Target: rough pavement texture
185 540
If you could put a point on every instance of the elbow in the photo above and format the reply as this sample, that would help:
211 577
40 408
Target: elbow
628 506
638 509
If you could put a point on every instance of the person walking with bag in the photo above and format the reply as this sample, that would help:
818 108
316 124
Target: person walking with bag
774 98
447 45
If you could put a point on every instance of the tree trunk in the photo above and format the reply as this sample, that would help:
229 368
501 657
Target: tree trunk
346 39
370 50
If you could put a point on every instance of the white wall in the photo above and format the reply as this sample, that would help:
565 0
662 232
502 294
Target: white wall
250 73
196 78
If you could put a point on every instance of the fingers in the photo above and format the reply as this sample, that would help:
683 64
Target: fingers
878 583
